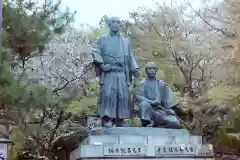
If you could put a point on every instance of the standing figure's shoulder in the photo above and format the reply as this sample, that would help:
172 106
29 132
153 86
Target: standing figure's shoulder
162 83
124 37
127 39
143 81
102 38
98 42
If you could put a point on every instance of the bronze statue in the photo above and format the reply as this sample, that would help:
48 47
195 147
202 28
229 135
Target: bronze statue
115 65
156 101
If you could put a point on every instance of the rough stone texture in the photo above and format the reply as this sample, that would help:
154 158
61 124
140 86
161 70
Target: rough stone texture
132 139
98 142
144 140
141 131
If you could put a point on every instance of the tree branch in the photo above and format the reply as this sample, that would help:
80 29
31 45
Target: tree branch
228 34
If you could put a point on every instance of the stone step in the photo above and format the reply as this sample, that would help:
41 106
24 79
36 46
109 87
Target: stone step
151 140
140 131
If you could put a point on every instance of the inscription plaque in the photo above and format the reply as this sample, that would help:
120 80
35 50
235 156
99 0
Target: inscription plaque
125 150
176 150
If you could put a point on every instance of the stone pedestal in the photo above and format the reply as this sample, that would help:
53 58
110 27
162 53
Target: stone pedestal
140 143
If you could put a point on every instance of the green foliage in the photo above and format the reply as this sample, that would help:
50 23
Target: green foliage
17 139
229 94
225 136
39 95
100 31
134 122
224 142
29 27
5 76
236 121
86 105
26 29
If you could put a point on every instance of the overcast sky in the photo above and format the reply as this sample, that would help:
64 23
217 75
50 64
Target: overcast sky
91 11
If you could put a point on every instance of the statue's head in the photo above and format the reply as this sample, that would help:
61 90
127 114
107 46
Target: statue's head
151 70
114 24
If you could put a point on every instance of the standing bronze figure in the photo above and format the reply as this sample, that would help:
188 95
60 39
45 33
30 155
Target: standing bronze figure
115 65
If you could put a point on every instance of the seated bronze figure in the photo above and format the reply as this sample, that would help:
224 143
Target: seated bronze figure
156 101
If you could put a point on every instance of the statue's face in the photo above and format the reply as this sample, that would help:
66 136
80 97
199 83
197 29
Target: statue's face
114 24
151 72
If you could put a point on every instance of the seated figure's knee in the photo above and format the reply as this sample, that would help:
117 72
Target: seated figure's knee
174 125
170 112
145 110
172 121
144 105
